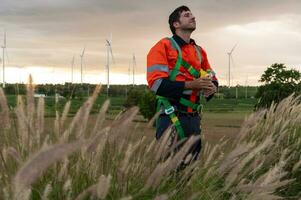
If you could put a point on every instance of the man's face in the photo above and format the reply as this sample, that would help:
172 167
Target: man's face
186 22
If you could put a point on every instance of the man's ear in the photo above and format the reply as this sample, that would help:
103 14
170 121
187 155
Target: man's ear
176 24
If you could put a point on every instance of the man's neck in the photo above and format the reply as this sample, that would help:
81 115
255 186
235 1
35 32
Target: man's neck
184 35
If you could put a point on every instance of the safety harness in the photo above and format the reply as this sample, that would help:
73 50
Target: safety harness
162 101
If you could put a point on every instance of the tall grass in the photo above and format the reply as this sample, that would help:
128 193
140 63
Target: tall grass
80 158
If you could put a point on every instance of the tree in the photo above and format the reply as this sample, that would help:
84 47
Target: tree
147 104
133 97
279 83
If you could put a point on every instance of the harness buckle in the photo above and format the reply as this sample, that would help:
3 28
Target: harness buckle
169 110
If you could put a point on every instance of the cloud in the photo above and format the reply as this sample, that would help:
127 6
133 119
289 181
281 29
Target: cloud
50 32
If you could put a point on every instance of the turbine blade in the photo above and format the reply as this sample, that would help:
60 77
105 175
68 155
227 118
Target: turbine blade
108 42
113 59
233 48
4 40
83 51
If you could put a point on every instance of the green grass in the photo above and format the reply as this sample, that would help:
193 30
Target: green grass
229 105
50 106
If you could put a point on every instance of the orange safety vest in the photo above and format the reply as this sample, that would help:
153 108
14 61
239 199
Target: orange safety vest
162 58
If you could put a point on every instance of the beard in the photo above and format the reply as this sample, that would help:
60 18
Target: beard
189 29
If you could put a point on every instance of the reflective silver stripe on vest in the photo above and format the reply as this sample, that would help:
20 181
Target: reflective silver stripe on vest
161 68
198 53
156 85
189 92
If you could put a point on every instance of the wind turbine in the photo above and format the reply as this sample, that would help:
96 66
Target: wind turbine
230 55
109 52
72 65
81 65
246 91
134 66
129 73
3 59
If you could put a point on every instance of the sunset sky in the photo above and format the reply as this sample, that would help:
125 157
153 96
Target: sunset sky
44 35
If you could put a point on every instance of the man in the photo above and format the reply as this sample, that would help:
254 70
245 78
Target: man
174 67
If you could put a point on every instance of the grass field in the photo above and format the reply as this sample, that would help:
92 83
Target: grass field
93 156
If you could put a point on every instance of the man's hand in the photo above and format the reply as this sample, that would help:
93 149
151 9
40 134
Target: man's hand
207 93
203 83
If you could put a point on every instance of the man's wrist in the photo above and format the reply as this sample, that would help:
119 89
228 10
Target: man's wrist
187 85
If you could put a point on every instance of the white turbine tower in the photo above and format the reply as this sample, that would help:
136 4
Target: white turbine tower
134 66
72 66
230 55
109 52
81 65
3 59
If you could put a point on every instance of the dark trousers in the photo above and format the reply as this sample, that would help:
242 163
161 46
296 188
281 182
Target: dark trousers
190 124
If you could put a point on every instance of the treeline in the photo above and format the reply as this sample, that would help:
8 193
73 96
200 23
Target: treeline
82 90
69 90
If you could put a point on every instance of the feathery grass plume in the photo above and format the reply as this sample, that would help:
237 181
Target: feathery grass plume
65 113
101 117
173 149
233 174
126 159
46 192
57 124
121 127
267 183
297 165
151 146
103 186
90 190
153 119
189 171
67 185
39 162
22 122
172 163
64 169
40 119
88 106
210 156
163 143
156 175
30 101
125 162
234 155
180 156
24 195
11 151
4 114
98 141
81 117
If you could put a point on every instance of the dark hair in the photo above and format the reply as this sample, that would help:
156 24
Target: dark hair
175 16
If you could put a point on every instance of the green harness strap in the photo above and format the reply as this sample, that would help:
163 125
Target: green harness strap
170 111
168 108
176 69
